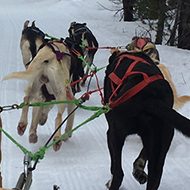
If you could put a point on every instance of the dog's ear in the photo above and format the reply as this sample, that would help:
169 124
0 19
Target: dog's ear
72 24
33 24
26 24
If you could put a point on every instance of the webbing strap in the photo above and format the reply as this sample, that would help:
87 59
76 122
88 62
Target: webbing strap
134 90
58 53
119 82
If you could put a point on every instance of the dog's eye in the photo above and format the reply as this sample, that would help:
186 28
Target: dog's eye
46 61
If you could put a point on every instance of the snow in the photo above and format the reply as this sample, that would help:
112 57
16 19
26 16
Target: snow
82 162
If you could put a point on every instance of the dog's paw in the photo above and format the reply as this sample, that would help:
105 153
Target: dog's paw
43 119
83 83
21 128
33 138
140 176
67 137
57 146
108 184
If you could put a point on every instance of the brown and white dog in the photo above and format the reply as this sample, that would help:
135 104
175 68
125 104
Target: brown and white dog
51 66
145 45
31 39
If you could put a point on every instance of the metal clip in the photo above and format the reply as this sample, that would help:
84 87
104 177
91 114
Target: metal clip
25 180
27 164
7 108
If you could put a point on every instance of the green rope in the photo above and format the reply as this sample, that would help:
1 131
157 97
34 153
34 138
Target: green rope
102 110
38 104
76 101
51 37
86 63
83 44
80 56
42 150
24 150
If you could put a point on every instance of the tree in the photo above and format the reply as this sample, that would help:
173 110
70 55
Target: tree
162 8
184 25
169 18
128 10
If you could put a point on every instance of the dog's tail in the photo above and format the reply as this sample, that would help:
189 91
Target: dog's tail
180 101
23 75
176 120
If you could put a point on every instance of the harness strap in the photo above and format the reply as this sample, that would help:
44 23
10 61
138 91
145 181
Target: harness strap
134 90
38 32
58 53
119 82
115 79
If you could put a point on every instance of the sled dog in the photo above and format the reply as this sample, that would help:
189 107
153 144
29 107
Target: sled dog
82 35
51 66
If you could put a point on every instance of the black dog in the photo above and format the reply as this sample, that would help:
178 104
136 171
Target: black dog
31 39
78 71
141 102
82 36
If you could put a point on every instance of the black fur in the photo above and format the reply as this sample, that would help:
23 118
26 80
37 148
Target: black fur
79 31
78 71
149 114
31 34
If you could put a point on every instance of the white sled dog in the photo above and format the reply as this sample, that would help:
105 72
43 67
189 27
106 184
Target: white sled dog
51 66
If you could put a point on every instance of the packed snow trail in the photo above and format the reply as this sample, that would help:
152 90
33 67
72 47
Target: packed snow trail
83 161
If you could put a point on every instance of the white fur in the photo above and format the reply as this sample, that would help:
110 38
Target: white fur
57 73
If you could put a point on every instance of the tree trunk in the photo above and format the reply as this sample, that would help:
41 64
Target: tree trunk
161 20
172 39
184 25
128 10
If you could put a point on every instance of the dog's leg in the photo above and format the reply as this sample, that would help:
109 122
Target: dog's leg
36 113
58 120
44 114
157 146
70 121
33 137
24 118
138 167
115 144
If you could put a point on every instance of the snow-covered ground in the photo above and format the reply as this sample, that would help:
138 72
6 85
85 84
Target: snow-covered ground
83 162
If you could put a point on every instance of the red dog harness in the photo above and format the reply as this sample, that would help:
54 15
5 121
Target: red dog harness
119 82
